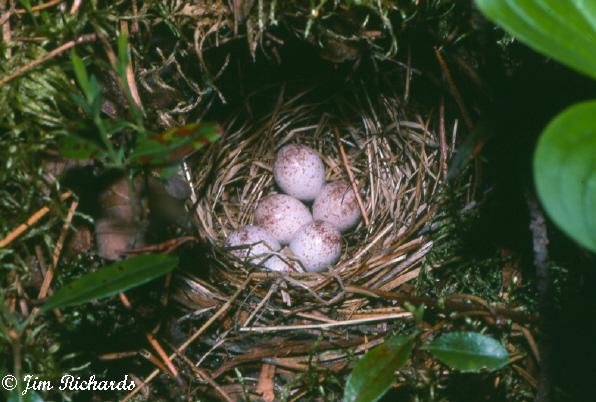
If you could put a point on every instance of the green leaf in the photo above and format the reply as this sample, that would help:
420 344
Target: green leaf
565 172
469 351
111 279
81 73
122 61
373 374
563 30
175 144
76 147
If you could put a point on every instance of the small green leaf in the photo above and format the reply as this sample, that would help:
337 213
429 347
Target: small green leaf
565 172
175 144
75 147
373 373
564 30
122 61
95 98
111 279
469 351
81 73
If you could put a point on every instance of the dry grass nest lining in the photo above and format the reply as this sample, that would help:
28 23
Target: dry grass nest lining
394 157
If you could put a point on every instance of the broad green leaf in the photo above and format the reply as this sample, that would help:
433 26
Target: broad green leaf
469 351
111 279
564 30
76 147
175 144
565 172
373 373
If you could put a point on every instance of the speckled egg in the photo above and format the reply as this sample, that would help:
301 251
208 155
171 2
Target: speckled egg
282 216
276 263
299 171
317 246
257 240
337 205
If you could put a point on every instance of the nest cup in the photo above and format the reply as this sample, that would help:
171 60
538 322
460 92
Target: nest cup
396 162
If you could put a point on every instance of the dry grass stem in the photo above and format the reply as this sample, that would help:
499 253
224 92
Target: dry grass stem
453 88
51 54
326 325
47 281
33 219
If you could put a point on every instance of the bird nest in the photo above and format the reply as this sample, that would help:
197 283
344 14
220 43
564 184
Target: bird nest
395 158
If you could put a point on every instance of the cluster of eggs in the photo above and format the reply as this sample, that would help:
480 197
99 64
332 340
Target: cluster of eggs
314 239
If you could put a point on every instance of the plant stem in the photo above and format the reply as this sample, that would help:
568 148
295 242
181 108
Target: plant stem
540 247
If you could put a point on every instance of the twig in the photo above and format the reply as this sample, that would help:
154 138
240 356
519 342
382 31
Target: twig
124 300
145 354
326 325
154 360
351 176
166 246
408 75
203 375
265 299
117 355
540 246
287 348
130 76
134 28
6 32
169 367
109 51
453 88
461 306
33 219
42 266
525 375
47 280
167 284
75 6
194 336
443 138
38 7
162 354
530 339
48 56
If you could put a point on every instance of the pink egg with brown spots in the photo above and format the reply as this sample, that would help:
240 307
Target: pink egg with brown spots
252 241
279 264
299 171
317 246
337 204
282 216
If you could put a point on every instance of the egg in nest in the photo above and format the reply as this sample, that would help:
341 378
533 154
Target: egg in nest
317 246
337 204
255 241
282 216
299 171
